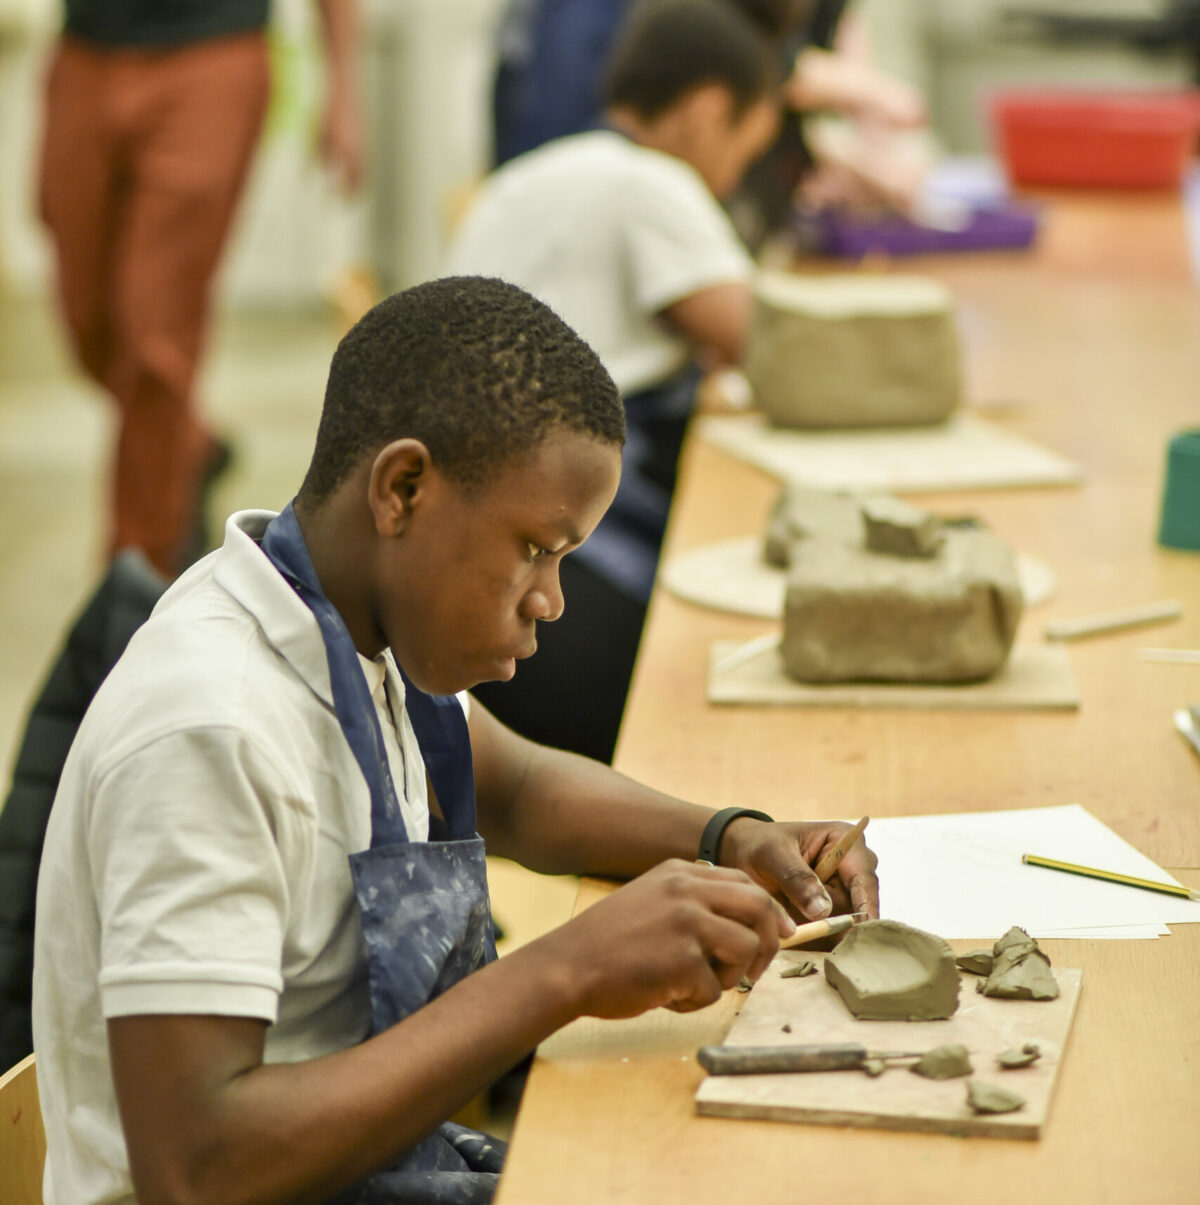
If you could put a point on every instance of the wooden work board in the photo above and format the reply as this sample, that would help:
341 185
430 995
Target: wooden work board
898 1099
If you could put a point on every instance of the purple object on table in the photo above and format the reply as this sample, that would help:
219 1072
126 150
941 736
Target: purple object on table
1004 226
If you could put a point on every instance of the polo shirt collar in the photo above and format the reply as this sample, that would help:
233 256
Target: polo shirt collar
243 571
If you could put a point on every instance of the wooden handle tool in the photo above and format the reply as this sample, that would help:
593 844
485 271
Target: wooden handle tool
815 930
829 862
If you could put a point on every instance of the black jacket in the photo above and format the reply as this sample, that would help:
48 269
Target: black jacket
121 604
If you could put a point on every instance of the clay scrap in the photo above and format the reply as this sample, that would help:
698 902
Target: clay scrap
799 969
1012 1060
878 590
943 1062
853 350
987 1098
975 962
1020 970
887 971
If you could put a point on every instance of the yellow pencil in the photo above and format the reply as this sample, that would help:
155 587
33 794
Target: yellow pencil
1111 876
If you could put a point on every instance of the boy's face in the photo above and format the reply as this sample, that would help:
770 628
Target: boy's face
463 589
726 144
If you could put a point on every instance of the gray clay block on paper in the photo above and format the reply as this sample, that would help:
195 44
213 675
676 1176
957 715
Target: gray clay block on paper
887 971
853 350
854 615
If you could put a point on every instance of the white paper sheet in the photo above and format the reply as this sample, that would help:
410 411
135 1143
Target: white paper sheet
961 875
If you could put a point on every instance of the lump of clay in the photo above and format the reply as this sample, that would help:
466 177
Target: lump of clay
987 1098
886 971
1020 971
943 1062
976 962
853 350
798 970
1012 1060
801 513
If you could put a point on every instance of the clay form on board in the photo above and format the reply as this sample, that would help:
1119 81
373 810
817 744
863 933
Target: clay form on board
987 1098
798 970
1012 1060
943 1062
899 528
976 962
887 971
1020 970
853 350
940 606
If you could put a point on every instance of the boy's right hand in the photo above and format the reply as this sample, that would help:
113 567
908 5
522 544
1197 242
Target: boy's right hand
676 937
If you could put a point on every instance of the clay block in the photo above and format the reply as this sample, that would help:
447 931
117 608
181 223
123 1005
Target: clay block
932 602
853 350
887 971
976 962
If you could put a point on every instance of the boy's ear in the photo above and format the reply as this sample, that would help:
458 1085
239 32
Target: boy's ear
399 480
708 109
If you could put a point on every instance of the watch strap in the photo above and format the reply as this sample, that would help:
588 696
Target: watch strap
714 830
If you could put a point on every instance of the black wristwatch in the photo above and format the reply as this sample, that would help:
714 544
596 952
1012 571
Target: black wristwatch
714 830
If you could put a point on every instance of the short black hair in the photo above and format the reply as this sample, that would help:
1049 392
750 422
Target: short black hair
476 369
668 48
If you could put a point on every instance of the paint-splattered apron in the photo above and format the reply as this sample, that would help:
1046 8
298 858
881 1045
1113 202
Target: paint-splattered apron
426 917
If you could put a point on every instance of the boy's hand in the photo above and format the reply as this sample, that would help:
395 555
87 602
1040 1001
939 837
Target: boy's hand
780 858
676 937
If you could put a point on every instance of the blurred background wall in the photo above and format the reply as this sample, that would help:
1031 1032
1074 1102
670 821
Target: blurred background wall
426 68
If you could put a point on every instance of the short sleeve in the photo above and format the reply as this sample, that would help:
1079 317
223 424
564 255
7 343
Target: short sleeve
194 849
678 238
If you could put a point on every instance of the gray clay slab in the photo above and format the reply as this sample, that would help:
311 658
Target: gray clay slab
896 1100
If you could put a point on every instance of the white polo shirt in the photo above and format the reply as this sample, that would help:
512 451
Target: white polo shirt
196 855
608 234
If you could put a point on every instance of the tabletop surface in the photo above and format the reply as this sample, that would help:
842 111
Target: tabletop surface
1090 345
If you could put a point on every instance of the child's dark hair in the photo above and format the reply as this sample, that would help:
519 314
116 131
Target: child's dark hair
668 48
478 370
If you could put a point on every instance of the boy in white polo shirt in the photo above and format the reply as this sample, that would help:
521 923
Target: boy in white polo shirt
620 230
263 963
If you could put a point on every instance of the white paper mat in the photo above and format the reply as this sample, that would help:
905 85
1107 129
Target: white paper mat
731 575
961 876
1037 677
961 454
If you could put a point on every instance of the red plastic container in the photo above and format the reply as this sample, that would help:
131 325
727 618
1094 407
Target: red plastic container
1096 140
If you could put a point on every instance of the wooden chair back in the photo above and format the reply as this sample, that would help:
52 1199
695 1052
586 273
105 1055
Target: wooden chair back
22 1139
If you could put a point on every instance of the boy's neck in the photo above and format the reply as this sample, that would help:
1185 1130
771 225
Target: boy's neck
339 552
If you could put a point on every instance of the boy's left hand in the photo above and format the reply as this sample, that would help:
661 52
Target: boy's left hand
780 858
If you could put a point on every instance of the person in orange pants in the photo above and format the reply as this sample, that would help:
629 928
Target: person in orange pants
152 118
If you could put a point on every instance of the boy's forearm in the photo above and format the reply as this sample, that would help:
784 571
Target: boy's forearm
573 815
304 1131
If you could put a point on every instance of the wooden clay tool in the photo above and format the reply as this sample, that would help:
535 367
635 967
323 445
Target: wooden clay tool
815 930
829 862
766 1060
1114 621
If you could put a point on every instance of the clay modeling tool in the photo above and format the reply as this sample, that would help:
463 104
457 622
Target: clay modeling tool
817 929
1114 621
1187 720
1111 876
828 863
748 651
1171 656
767 1060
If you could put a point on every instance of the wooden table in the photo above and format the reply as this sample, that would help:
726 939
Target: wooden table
1090 345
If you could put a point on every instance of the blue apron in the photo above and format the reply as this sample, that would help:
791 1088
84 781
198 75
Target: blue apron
426 916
